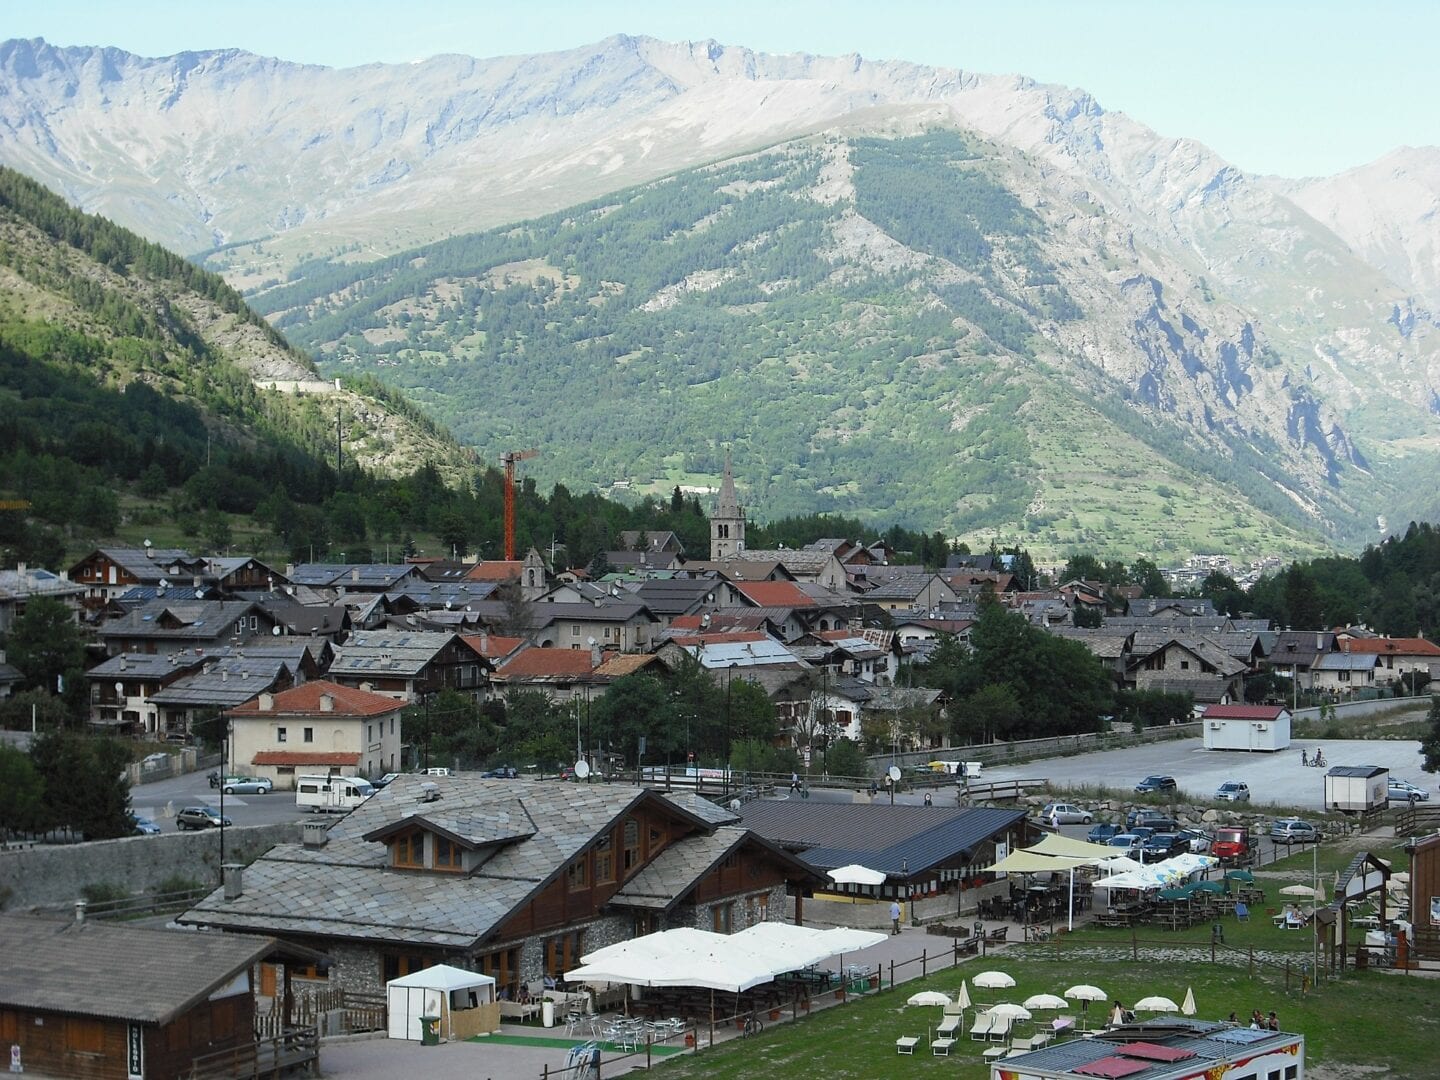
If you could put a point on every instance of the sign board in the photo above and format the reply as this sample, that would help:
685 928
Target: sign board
135 1051
15 1066
805 755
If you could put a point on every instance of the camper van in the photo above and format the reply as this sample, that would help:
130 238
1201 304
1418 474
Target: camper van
322 794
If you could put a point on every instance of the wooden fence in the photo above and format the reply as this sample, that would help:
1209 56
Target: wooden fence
331 1009
265 1057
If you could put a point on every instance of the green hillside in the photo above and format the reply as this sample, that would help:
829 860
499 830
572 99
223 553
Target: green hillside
882 346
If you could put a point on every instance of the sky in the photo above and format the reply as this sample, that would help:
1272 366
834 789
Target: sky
1274 86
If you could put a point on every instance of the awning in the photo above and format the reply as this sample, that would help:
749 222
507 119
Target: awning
1028 862
1055 844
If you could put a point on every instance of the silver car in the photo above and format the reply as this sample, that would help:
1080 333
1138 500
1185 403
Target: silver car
247 785
1064 813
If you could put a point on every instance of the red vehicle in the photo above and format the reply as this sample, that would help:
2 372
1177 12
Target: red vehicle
1233 844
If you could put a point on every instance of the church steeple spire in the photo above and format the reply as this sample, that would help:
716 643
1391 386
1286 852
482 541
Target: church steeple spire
727 521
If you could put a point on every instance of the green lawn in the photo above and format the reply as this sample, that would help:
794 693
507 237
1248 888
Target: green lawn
1386 1021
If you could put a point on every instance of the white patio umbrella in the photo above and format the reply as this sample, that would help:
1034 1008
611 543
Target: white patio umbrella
993 980
1401 877
1007 1008
963 998
855 874
1299 890
1085 993
1156 1003
928 997
1187 1007
1046 1001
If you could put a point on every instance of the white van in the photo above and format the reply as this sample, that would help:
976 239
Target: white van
322 794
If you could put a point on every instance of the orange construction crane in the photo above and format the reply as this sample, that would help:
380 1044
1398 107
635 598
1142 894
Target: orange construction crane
508 459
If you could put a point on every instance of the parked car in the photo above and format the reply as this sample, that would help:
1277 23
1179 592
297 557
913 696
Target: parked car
1152 819
502 772
1129 843
1101 833
247 785
384 780
1289 831
145 827
1197 839
1065 813
1162 845
199 817
1142 831
435 770
1405 791
1233 791
1157 783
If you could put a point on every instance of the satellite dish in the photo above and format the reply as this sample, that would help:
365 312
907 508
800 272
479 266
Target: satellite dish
734 804
894 772
119 689
590 641
275 630
147 542
582 769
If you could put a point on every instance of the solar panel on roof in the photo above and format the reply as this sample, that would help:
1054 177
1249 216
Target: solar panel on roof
1154 1051
1111 1067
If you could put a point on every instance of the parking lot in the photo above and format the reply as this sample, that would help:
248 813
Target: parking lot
1275 778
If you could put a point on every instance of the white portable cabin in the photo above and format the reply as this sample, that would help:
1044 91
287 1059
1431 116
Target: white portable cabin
331 793
1246 727
463 1001
1357 788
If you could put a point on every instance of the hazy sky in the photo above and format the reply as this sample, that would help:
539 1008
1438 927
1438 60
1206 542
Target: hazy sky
1282 86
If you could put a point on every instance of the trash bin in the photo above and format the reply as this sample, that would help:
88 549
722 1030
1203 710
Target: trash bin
547 1013
429 1031
1217 933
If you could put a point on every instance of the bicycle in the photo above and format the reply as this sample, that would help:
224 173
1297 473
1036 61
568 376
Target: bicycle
752 1027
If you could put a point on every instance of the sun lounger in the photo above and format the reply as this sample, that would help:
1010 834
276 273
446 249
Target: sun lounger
948 1026
906 1044
941 1047
980 1030
1000 1028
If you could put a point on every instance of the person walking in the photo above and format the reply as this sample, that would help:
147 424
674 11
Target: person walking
794 781
894 917
1304 757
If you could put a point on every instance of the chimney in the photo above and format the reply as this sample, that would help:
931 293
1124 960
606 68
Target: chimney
327 702
355 573
234 883
195 581
594 656
224 675
122 662
20 568
79 911
313 834
267 702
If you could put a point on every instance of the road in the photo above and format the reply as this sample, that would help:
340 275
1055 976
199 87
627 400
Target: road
160 801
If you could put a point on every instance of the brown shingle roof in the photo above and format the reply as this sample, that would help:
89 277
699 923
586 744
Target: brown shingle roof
304 700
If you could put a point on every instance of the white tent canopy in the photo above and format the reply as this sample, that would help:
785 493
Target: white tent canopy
430 992
733 962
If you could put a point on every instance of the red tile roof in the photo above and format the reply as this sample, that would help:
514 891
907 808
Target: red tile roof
773 593
1244 712
493 646
304 700
1407 646
496 570
300 757
536 662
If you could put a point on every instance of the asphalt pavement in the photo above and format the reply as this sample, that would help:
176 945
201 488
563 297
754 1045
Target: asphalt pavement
161 800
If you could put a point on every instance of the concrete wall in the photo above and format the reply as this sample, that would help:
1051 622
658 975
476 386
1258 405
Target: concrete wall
53 875
1348 710
1003 753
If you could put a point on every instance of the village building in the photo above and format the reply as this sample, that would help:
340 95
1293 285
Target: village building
406 665
164 625
319 727
1245 727
516 881
23 584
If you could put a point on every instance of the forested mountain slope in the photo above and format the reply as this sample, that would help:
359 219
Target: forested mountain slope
905 321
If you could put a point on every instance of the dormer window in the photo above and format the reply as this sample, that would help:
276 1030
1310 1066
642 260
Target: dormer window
447 855
408 850
632 846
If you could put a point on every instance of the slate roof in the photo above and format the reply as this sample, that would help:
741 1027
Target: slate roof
901 587
793 559
226 683
116 970
15 585
887 838
1336 661
614 611
142 566
1102 643
145 665
176 619
759 651
365 577
387 652
437 594
675 596
343 889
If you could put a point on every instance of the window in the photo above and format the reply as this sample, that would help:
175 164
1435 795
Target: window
394 965
504 968
724 917
309 734
279 734
575 630
447 855
1291 1072
632 846
254 622
563 952
408 850
578 875
657 839
392 725
604 862
1184 665
369 733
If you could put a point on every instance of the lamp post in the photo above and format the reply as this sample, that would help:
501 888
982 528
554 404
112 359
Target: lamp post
729 675
225 734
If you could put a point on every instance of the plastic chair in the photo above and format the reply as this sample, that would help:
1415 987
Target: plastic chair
1242 911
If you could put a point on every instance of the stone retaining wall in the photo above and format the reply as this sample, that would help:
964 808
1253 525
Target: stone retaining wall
49 875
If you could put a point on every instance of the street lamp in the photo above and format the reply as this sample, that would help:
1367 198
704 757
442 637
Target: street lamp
729 675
